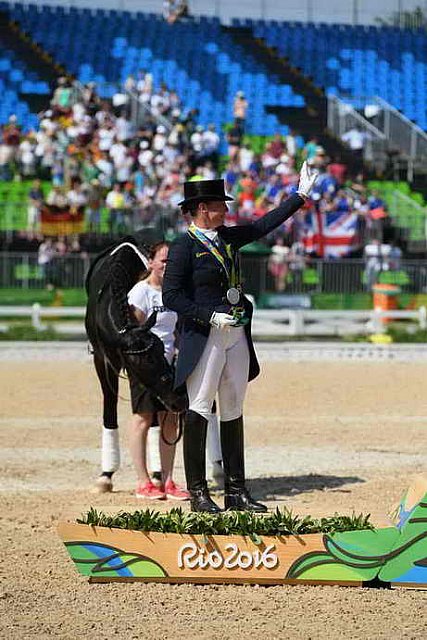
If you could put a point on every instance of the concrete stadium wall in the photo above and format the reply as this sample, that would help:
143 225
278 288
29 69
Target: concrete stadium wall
332 11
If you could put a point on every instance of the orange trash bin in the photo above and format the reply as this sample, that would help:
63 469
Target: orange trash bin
385 298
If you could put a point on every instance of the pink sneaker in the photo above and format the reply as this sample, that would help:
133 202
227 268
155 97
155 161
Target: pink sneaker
149 491
174 492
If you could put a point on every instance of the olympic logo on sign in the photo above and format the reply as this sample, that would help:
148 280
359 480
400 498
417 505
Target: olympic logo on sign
191 556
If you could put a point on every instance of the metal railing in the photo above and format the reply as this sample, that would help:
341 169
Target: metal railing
402 135
351 276
342 118
137 109
352 12
22 270
405 140
161 219
140 110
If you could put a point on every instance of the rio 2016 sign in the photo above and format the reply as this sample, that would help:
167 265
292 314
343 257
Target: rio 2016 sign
191 556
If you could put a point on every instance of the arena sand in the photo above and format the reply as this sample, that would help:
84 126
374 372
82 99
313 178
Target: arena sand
321 438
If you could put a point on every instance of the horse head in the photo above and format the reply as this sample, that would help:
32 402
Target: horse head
143 356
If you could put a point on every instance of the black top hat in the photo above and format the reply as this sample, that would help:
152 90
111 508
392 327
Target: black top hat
196 191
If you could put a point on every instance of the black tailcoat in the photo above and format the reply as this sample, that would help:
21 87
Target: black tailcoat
195 285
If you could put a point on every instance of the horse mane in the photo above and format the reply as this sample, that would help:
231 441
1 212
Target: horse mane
112 248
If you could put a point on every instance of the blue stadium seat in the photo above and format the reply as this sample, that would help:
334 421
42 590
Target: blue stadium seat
385 61
16 79
105 46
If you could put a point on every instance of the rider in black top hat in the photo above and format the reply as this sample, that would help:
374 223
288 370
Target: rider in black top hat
202 284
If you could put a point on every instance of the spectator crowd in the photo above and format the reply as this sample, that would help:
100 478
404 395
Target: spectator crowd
104 165
95 157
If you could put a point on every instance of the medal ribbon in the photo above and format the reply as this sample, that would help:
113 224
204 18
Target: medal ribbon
210 246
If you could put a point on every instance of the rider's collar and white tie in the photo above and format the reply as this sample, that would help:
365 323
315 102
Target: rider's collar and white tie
223 253
211 234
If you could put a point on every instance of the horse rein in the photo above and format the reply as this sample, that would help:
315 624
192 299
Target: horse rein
179 420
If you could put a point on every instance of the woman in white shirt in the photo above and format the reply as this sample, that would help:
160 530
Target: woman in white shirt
144 298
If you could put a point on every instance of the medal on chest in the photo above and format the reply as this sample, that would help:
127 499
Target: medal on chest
233 295
228 262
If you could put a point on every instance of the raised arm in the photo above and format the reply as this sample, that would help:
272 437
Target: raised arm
241 235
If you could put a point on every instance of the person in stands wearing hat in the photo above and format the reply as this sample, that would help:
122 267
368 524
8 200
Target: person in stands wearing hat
202 283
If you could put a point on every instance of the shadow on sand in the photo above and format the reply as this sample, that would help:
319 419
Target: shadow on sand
277 487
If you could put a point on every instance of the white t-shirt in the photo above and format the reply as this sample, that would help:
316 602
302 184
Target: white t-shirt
118 151
354 138
210 141
124 129
106 138
245 158
145 158
148 299
76 198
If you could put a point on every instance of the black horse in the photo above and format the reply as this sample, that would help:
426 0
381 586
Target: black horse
119 343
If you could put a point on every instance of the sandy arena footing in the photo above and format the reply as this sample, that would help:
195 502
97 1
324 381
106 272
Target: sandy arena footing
321 437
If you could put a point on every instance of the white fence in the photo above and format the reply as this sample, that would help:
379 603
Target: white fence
274 323
305 322
36 314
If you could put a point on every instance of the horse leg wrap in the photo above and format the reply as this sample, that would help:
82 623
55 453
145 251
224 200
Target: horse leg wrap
110 456
153 437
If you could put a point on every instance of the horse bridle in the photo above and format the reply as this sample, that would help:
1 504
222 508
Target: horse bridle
122 331
179 415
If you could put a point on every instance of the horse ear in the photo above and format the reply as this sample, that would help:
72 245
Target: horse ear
151 321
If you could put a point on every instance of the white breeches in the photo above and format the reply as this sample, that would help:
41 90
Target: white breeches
223 368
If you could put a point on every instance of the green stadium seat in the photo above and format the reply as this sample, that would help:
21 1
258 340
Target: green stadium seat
310 276
28 272
399 278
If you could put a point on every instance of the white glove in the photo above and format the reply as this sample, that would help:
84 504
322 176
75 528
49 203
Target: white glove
222 321
307 178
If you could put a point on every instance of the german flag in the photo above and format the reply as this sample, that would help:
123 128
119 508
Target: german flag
56 221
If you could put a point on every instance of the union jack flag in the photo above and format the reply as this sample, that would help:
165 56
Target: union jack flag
331 235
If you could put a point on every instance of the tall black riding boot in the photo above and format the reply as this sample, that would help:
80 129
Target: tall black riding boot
236 496
195 429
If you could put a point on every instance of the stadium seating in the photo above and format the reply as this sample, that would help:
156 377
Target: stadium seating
356 61
196 58
14 202
205 66
411 219
16 79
